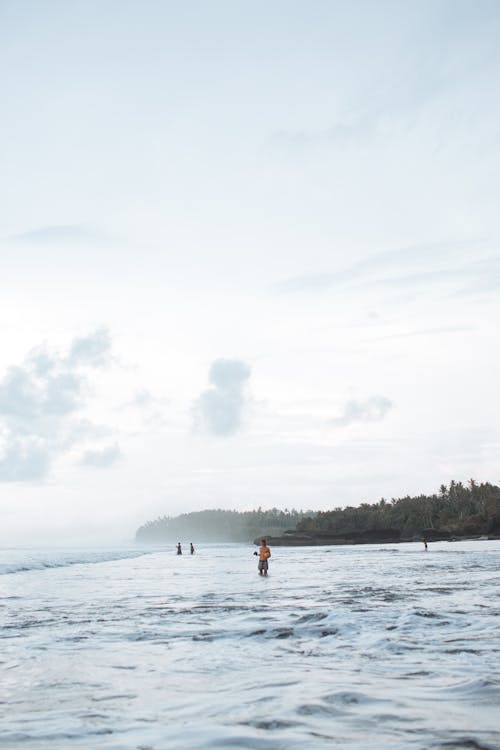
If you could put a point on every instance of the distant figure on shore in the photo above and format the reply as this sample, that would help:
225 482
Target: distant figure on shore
264 554
191 547
179 549
425 543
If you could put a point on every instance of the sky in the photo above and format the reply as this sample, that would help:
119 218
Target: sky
249 256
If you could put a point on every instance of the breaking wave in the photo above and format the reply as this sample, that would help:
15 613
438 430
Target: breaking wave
21 561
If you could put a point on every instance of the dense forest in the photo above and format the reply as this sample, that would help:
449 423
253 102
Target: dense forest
457 510
220 525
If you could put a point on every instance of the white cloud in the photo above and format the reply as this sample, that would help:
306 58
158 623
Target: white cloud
374 409
38 400
93 350
24 459
219 409
142 399
455 265
102 459
27 393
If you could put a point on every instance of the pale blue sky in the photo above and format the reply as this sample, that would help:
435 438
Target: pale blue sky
306 193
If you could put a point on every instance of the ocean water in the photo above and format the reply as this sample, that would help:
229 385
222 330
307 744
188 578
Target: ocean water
374 646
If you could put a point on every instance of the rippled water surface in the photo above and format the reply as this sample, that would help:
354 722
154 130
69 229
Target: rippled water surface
372 646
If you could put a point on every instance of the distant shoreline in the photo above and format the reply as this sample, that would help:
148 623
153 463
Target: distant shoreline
456 512
371 537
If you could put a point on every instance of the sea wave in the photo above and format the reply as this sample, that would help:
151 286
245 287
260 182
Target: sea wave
22 561
199 652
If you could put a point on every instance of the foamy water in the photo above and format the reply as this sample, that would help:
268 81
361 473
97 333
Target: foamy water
374 646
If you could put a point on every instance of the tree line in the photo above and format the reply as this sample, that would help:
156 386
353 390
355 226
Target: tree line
462 509
456 509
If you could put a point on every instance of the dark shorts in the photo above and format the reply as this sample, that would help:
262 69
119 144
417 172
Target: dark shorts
263 565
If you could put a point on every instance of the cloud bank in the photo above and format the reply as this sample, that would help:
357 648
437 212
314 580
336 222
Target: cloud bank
219 409
38 402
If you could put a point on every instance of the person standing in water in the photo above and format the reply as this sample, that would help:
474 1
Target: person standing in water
179 549
191 547
264 554
425 543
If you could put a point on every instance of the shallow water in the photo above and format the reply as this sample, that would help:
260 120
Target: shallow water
373 646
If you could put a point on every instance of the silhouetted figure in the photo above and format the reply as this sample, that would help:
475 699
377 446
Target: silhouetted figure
191 547
179 549
425 543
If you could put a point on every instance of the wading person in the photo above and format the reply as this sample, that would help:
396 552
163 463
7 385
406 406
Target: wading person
264 554
179 549
191 547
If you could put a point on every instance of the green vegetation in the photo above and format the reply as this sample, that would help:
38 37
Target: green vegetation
220 525
457 510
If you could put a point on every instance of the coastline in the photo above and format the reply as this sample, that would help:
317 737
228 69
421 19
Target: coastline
381 536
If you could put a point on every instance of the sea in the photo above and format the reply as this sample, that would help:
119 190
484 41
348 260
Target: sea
372 646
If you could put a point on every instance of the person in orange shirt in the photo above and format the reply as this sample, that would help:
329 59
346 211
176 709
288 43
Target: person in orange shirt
264 554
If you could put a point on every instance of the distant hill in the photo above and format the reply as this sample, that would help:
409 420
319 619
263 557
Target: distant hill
220 525
455 511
